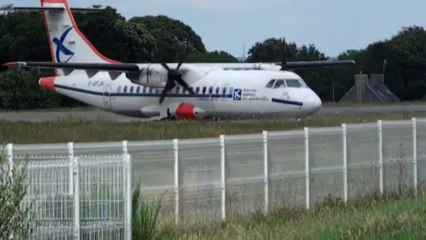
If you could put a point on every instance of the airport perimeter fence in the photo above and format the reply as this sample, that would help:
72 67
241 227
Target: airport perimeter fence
217 179
87 197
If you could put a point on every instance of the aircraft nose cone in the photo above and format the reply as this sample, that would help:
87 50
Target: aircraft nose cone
313 104
47 83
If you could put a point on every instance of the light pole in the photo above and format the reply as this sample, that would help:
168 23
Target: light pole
385 62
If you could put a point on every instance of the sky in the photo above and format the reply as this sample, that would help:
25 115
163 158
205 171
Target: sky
334 26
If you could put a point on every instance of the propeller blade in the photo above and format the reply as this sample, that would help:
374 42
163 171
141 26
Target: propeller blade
165 66
185 85
179 65
169 85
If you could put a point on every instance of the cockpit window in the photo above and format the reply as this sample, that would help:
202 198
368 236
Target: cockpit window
270 83
293 83
279 83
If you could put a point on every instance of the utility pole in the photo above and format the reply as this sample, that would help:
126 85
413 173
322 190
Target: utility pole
385 62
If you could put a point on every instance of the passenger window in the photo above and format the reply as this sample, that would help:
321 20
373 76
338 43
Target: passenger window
217 90
224 91
125 89
279 83
177 90
270 83
118 89
204 90
192 89
144 90
131 89
293 83
138 89
197 90
210 90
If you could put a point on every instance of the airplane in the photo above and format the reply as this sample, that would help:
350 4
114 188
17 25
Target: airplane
159 91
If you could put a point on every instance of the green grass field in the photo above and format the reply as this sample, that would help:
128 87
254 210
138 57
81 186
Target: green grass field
390 218
103 130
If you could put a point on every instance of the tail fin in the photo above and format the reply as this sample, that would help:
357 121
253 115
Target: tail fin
67 42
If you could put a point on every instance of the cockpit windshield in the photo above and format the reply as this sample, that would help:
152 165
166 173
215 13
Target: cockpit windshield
279 83
270 83
290 83
293 83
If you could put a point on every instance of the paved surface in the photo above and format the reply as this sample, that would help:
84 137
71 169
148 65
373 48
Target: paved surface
34 116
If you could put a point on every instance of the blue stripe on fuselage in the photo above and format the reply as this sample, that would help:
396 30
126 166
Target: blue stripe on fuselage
287 102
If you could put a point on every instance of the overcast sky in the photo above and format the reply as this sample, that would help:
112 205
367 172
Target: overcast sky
332 25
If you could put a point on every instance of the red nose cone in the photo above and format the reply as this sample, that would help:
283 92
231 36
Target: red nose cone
47 83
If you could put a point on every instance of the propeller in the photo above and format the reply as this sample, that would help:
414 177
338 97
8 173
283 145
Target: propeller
283 55
174 76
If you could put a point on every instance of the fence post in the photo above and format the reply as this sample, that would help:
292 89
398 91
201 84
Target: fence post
71 173
223 176
415 170
380 132
266 171
307 170
125 148
177 185
128 197
76 202
9 149
345 163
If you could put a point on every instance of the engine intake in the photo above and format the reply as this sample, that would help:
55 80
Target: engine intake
154 76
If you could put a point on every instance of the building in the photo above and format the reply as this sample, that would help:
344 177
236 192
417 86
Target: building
369 89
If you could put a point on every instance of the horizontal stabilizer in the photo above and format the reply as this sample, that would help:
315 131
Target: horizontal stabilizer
11 8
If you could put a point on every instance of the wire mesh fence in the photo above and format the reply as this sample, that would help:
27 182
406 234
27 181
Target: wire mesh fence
77 198
207 180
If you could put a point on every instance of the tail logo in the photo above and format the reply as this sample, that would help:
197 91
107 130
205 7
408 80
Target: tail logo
60 48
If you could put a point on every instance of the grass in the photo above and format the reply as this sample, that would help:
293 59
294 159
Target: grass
104 130
392 217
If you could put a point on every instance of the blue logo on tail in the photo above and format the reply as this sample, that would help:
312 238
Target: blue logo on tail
60 48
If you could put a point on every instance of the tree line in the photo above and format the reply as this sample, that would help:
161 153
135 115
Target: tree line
159 38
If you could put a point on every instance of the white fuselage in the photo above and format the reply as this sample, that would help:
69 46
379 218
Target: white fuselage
220 93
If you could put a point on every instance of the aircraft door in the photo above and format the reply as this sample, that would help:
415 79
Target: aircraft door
107 96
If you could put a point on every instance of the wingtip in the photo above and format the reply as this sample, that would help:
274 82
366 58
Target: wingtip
10 64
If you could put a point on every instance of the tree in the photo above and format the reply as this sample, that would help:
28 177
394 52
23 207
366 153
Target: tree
19 90
211 57
15 218
172 37
271 50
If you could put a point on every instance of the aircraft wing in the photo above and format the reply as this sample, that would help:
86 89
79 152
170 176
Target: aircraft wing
131 67
318 64
120 67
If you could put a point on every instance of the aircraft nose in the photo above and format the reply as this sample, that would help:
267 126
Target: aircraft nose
47 83
313 103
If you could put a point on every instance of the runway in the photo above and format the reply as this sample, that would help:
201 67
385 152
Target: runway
41 116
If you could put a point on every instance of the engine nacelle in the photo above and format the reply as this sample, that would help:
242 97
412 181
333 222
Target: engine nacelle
154 76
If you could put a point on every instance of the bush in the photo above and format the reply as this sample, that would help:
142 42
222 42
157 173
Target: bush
145 218
15 219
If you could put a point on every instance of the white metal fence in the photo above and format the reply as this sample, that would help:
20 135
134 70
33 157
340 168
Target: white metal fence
203 180
86 197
